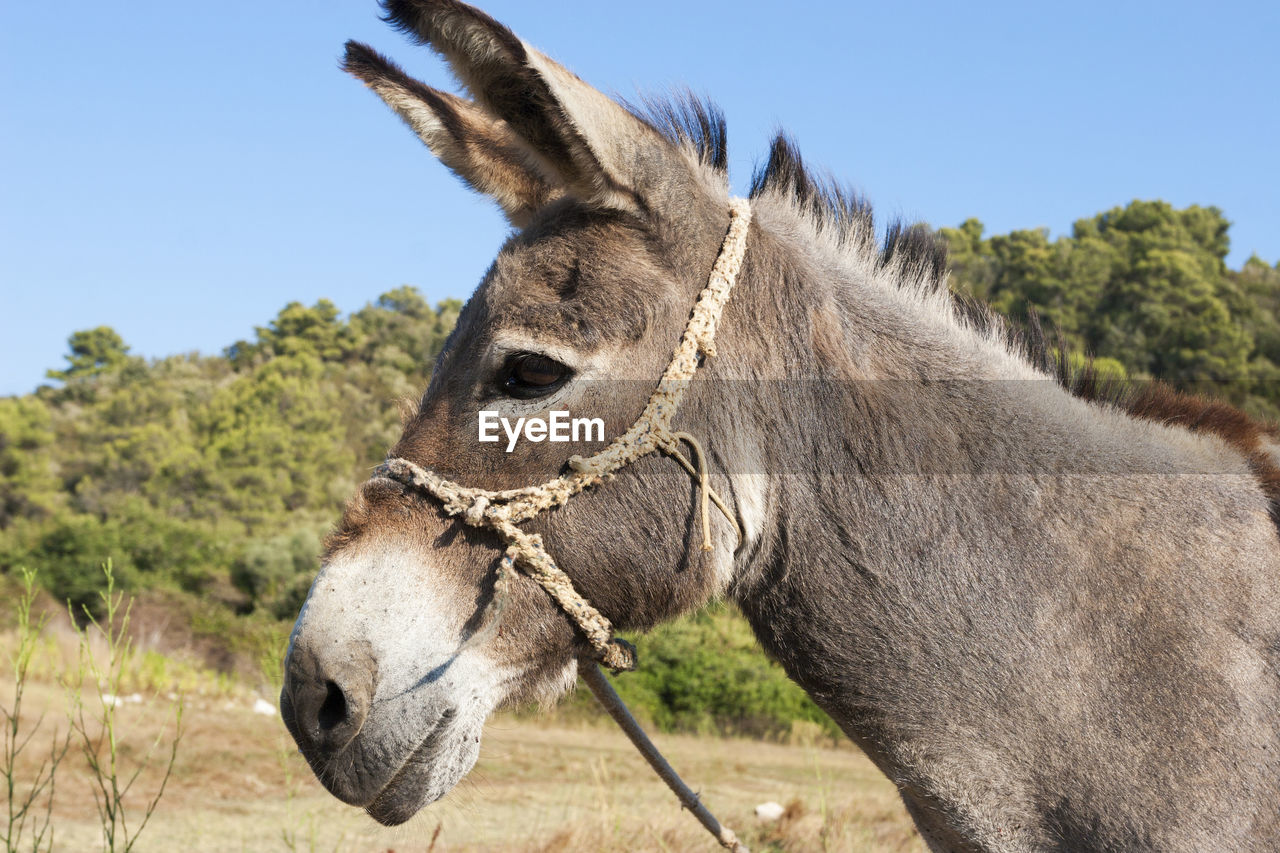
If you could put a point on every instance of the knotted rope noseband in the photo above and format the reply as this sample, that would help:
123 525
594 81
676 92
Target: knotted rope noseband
502 511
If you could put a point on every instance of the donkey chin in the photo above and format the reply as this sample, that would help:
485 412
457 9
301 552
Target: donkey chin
382 694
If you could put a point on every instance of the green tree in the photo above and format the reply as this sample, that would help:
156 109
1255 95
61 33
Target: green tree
174 468
1145 286
92 352
298 330
973 269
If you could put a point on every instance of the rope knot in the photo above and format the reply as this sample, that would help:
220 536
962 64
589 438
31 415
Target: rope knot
618 655
475 513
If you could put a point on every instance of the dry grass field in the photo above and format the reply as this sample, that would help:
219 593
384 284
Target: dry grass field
539 786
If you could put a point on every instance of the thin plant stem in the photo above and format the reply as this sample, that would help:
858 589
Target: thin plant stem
111 782
25 819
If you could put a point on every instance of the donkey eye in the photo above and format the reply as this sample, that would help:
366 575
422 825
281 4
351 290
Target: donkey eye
528 376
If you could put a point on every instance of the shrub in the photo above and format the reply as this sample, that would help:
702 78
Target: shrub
272 571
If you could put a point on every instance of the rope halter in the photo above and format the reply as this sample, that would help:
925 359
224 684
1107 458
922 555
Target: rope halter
503 511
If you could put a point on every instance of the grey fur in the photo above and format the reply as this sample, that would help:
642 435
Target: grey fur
1051 624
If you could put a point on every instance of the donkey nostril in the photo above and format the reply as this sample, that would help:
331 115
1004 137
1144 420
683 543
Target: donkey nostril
325 703
333 711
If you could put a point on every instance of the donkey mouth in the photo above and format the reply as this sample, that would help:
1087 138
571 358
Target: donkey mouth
434 767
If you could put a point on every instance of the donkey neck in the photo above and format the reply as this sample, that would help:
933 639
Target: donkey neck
898 437
928 498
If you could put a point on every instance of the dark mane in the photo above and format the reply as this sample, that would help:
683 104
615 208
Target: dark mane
919 254
837 208
686 119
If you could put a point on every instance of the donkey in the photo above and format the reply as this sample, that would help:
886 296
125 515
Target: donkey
1052 621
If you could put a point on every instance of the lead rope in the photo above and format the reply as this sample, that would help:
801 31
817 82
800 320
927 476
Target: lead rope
612 702
502 511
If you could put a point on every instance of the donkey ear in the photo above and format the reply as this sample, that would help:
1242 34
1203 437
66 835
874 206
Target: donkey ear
602 152
477 147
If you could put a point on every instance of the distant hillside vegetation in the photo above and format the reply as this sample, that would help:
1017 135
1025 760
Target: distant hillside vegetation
1145 289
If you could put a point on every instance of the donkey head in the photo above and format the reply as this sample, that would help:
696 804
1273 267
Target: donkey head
393 666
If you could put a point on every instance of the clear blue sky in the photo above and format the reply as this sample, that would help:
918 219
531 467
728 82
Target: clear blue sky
181 171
